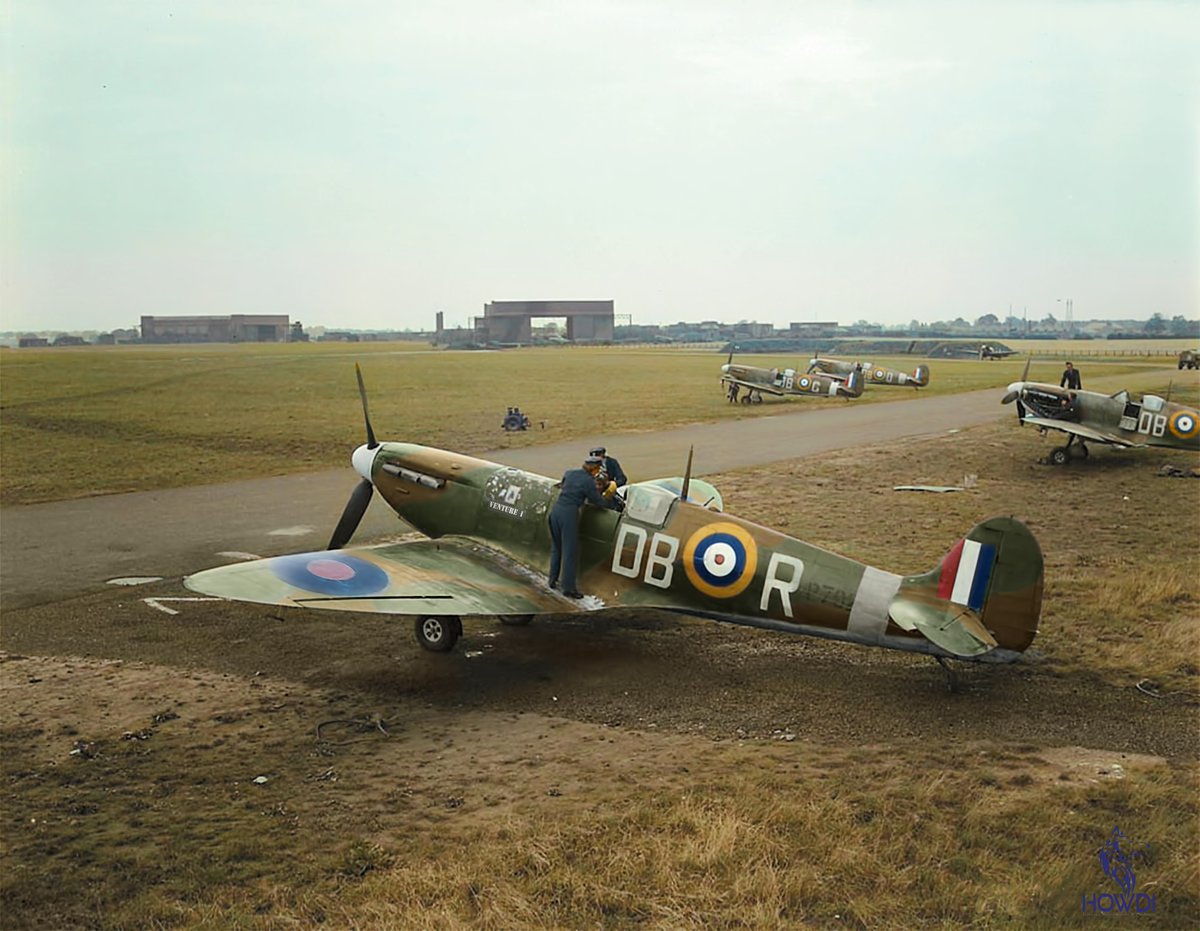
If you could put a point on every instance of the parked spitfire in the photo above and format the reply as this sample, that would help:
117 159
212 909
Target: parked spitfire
490 543
1089 417
986 351
872 374
755 382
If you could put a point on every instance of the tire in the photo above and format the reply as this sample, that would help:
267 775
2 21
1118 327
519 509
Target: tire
438 634
1059 456
1081 451
746 398
515 620
512 423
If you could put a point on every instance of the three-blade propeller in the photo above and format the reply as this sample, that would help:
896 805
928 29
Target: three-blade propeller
360 498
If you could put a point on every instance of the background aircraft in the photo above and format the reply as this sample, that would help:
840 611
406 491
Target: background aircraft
1118 420
751 383
872 374
490 549
987 351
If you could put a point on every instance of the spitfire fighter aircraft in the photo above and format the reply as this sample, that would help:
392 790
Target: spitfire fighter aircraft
756 382
1090 417
872 374
987 351
672 548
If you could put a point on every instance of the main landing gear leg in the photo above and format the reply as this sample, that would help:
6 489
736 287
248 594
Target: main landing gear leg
951 675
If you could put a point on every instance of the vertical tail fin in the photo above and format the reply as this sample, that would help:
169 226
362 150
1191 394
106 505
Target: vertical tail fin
985 596
853 386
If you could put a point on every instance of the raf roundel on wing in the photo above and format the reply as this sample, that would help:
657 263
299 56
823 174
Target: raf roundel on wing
336 574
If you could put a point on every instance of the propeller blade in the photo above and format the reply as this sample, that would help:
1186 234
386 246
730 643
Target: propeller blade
362 393
1010 397
1025 374
687 474
729 361
356 507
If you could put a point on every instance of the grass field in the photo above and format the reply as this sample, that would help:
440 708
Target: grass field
88 421
475 817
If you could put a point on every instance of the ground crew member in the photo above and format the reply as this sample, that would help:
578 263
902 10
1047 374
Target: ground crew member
1070 378
578 486
610 466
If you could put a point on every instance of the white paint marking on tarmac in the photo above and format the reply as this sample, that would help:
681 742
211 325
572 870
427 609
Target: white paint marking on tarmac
238 554
290 531
136 580
157 603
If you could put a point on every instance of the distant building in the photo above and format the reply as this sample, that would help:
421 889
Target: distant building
510 321
65 340
236 328
31 342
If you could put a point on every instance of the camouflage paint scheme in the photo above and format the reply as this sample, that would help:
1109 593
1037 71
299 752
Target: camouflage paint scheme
873 374
1117 420
786 383
489 549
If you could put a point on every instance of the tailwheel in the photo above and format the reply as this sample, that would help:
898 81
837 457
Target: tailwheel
952 683
1060 455
516 620
438 634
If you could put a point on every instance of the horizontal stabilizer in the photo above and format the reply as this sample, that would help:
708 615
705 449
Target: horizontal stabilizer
955 629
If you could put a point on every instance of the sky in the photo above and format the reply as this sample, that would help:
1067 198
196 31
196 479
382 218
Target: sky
366 164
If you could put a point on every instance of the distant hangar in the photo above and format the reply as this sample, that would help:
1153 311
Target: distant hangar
235 328
511 321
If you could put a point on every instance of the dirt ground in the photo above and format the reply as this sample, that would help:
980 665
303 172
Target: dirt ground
168 730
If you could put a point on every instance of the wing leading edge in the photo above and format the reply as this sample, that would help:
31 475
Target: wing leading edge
436 577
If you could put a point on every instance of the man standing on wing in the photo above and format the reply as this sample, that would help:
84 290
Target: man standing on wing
578 487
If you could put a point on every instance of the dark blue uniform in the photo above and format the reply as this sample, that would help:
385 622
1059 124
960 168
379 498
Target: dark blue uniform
613 470
578 486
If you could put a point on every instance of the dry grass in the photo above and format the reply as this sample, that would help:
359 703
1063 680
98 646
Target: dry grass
742 836
83 422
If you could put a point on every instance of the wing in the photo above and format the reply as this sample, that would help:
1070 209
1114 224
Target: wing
439 577
754 386
1068 426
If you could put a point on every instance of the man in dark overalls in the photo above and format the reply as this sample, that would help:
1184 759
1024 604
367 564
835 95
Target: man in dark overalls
578 487
610 467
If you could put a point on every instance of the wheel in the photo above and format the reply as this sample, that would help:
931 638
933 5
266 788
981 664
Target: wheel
1060 455
516 620
747 398
512 422
757 398
438 634
1079 451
